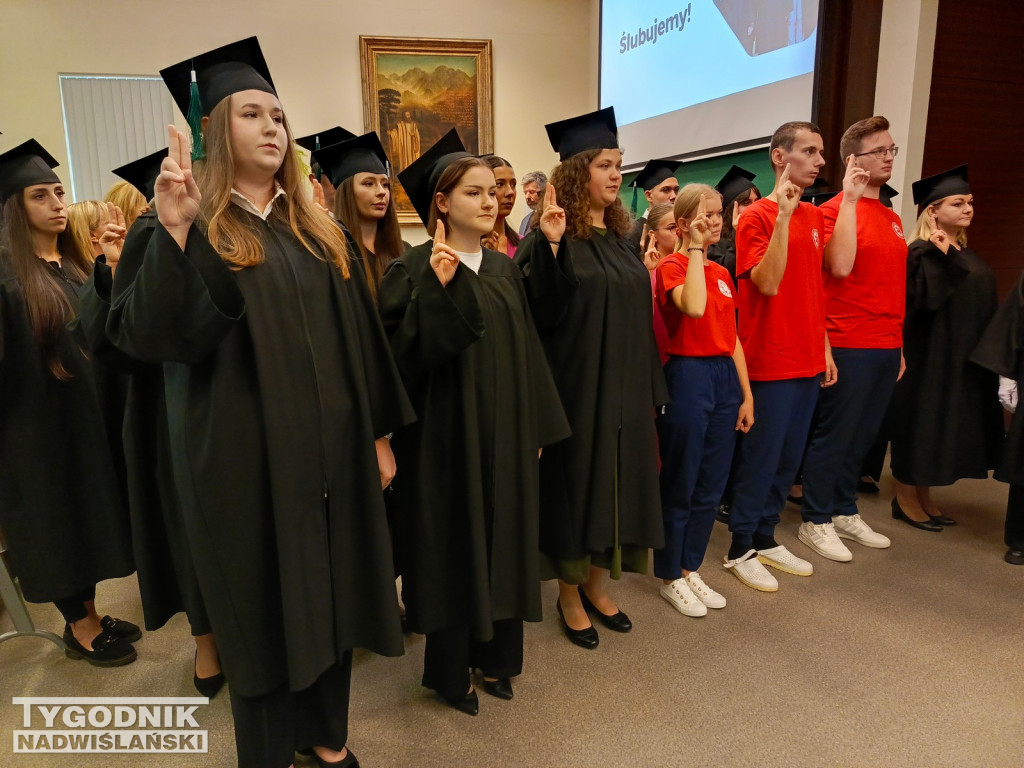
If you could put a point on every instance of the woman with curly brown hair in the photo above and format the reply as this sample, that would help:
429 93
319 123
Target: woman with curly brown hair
591 300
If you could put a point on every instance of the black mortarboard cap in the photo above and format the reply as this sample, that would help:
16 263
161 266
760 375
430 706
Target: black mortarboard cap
142 173
25 165
362 154
932 188
886 194
421 177
655 172
594 130
735 182
818 193
235 67
334 135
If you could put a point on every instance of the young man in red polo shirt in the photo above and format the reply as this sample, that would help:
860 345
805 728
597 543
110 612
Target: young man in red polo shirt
779 243
865 293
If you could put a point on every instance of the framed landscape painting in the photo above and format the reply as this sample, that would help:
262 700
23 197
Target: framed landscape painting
416 89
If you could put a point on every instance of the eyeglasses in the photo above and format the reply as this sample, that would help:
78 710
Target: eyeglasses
881 153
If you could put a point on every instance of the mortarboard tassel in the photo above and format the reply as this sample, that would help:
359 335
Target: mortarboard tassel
319 172
195 120
632 205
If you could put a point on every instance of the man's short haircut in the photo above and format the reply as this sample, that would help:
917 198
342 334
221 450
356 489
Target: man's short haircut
538 178
785 134
853 140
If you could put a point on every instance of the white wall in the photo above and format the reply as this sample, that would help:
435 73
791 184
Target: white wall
545 57
902 89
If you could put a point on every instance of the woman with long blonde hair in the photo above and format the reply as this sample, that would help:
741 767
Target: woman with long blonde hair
946 423
85 222
281 395
591 299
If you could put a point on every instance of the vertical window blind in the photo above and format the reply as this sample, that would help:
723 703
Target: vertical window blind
110 121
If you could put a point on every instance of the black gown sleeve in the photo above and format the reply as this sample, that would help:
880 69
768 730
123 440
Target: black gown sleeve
91 324
427 323
932 276
550 280
1001 347
169 305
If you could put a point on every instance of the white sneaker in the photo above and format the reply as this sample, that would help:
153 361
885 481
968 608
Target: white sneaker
783 560
823 540
749 570
853 527
683 600
704 593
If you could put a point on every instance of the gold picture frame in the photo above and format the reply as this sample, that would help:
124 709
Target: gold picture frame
415 89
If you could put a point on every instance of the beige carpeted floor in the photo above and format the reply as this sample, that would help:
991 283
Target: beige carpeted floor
912 656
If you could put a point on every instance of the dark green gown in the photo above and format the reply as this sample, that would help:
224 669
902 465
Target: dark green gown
600 498
466 493
278 379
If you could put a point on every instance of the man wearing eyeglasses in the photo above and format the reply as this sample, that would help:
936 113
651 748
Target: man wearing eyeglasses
865 267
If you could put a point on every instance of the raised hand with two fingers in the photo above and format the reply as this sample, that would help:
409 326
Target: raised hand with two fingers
938 236
552 218
443 259
177 195
855 180
113 232
788 193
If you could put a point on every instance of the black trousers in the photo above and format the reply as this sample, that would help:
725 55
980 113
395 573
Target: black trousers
449 653
269 729
73 608
1014 531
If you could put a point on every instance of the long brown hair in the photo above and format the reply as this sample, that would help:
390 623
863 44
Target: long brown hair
449 179
233 236
387 242
49 308
571 180
493 162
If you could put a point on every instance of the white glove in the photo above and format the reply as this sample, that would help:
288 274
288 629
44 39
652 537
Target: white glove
1008 394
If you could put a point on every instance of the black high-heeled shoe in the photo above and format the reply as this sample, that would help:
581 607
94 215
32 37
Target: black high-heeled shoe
501 688
468 703
584 638
617 622
207 686
899 514
941 519
348 761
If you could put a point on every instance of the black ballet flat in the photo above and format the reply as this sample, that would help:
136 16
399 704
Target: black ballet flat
1014 556
722 515
501 688
121 628
207 686
108 650
942 519
798 500
899 514
618 622
584 638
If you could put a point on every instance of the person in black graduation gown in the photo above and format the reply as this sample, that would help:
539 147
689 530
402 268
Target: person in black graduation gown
466 502
167 581
61 505
1001 350
946 422
280 392
738 192
591 300
658 181
358 170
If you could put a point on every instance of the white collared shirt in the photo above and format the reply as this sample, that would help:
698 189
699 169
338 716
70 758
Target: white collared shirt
472 260
246 204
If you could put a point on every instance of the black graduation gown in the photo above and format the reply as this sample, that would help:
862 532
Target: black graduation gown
593 308
466 494
1001 350
278 379
167 580
945 417
724 252
61 509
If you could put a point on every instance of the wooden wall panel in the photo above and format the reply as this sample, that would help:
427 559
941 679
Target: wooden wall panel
975 116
